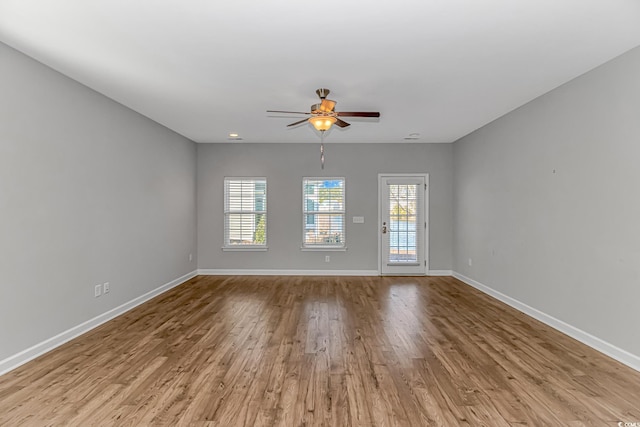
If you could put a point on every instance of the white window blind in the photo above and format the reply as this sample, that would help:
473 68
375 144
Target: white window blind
323 207
245 212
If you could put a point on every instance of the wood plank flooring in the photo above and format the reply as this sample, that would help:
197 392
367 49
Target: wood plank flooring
321 351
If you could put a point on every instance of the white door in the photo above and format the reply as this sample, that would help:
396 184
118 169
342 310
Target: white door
403 231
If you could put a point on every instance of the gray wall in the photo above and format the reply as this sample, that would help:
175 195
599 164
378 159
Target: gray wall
546 203
284 165
90 192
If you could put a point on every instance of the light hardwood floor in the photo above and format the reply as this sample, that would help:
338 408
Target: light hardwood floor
340 351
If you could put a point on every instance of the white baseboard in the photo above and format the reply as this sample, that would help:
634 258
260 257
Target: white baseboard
268 272
12 362
622 356
440 273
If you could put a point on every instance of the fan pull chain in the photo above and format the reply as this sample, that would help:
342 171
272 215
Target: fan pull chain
322 150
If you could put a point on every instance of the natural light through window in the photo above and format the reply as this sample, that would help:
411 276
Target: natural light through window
323 209
402 223
245 213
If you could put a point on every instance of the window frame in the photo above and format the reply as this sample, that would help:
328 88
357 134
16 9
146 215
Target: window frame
227 246
341 246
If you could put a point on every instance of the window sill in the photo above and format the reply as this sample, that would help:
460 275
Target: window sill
245 248
323 249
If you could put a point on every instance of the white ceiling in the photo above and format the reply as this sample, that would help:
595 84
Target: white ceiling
440 68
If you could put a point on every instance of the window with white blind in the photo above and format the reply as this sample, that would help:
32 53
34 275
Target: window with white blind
245 213
323 208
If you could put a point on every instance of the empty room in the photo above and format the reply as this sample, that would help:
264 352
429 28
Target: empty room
412 213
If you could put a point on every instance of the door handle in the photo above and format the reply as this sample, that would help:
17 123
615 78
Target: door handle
384 228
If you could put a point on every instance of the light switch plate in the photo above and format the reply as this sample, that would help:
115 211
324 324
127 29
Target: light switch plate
358 220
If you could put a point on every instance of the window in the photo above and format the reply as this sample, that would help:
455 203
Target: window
323 211
245 213
403 222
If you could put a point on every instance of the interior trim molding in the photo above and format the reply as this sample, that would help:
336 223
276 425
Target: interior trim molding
270 272
622 356
12 362
440 273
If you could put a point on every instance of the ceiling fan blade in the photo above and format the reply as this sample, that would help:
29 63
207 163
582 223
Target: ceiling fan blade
288 112
342 123
297 123
358 114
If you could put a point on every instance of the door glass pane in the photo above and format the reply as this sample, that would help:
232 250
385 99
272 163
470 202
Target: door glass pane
402 223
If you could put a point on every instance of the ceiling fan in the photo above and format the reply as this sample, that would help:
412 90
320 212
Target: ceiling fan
323 115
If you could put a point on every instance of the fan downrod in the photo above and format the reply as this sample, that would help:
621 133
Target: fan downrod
322 93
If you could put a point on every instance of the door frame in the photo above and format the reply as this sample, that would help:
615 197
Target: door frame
425 207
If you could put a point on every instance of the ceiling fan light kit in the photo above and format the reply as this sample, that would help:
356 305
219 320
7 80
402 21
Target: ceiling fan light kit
322 123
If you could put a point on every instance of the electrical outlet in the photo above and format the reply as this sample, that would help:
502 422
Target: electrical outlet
190 257
106 288
327 258
97 291
470 262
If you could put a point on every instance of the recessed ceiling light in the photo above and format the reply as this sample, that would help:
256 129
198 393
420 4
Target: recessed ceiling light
412 136
233 135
